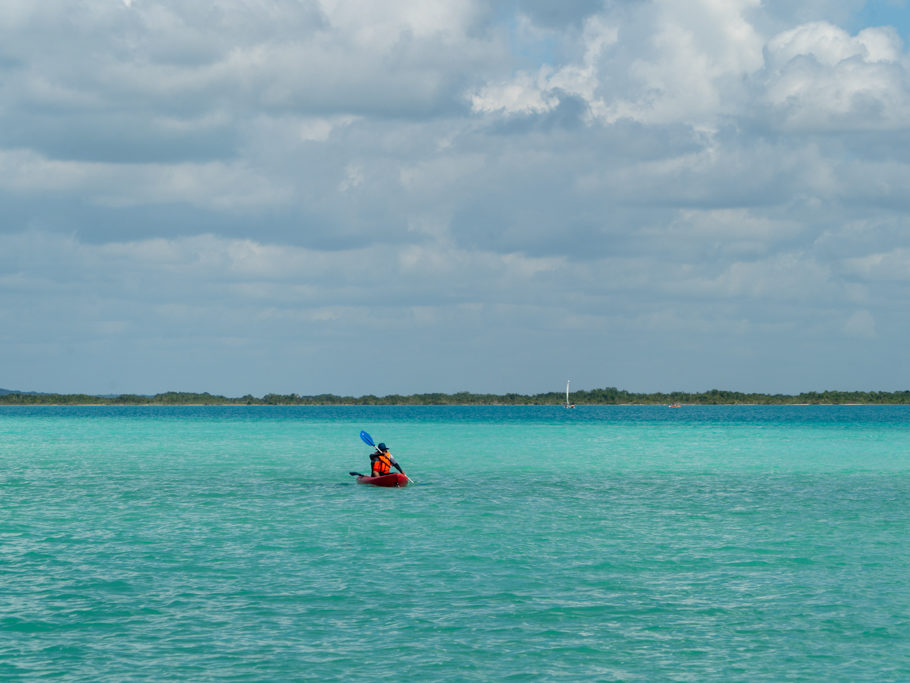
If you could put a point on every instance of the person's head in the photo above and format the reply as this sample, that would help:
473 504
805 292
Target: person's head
382 447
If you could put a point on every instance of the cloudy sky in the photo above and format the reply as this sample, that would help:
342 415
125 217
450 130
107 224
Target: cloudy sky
350 196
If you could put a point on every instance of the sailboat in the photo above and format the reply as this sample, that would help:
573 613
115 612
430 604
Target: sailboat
568 405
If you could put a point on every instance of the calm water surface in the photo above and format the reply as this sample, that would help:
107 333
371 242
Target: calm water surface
604 543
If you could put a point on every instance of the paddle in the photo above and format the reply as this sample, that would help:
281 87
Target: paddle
368 440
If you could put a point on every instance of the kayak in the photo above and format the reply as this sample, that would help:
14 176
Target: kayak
396 479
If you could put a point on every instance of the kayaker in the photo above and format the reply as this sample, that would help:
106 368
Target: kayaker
382 462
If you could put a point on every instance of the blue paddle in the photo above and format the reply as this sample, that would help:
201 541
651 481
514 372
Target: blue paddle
368 440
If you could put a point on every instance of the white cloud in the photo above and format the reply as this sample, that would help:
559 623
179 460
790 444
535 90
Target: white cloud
820 78
703 62
535 94
830 45
522 95
698 52
676 62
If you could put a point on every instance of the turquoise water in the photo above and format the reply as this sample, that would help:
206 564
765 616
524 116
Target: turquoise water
604 543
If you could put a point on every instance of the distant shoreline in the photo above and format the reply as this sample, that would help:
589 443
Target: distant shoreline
429 405
606 396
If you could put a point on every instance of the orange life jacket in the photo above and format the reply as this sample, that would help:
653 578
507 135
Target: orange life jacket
382 464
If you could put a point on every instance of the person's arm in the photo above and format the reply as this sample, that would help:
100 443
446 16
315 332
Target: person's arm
395 464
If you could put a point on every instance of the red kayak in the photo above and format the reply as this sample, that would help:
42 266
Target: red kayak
396 479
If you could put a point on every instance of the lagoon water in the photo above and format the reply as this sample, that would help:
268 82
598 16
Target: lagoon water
603 543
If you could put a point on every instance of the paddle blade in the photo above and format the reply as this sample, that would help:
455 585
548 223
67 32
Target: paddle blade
367 439
356 474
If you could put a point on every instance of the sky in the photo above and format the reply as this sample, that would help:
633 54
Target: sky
354 197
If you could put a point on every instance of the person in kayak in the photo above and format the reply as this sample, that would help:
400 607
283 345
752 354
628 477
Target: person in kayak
382 462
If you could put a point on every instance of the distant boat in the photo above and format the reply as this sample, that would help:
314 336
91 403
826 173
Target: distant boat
674 405
568 405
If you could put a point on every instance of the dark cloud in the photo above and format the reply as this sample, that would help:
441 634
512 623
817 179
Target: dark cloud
118 137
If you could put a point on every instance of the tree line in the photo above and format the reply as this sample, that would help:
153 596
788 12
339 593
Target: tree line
605 396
